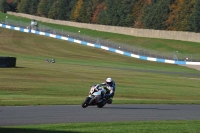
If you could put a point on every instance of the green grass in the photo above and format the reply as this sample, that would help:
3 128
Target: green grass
111 127
149 43
35 82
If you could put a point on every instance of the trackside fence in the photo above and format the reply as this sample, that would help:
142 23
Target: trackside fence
137 50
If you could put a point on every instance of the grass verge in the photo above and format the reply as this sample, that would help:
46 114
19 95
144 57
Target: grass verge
108 127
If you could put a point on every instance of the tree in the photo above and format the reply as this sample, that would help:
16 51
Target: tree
87 10
175 8
181 21
98 9
53 12
16 3
137 13
83 14
153 2
75 12
61 9
4 6
69 8
44 7
92 7
156 14
195 18
33 7
28 6
125 13
23 6
117 13
12 5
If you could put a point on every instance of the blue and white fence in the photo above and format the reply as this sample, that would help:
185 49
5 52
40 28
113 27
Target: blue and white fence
100 47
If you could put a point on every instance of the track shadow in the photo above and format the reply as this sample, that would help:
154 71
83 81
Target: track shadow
23 130
138 108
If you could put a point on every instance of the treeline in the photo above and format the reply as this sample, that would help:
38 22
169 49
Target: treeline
177 15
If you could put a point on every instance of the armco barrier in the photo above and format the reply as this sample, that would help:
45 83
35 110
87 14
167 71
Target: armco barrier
99 46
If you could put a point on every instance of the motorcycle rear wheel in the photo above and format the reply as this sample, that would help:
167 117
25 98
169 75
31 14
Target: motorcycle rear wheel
85 103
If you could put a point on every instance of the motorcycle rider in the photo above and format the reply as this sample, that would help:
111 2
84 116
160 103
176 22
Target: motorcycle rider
109 85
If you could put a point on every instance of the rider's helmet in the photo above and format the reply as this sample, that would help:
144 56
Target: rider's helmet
109 81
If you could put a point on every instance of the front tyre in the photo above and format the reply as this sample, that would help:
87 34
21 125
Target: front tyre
85 103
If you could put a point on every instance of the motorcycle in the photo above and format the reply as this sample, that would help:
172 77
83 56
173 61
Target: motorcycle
95 97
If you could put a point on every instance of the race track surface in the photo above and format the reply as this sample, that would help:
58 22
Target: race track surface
30 115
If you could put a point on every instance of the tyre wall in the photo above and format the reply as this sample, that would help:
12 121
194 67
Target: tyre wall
7 61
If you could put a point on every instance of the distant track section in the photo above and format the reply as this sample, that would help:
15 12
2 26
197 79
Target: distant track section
100 47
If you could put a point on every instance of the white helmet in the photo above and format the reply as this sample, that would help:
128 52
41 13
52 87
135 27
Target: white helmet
109 81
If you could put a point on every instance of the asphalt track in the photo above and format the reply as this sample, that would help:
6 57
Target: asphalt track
31 115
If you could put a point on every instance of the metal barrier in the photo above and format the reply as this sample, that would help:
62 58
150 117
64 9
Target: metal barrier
176 56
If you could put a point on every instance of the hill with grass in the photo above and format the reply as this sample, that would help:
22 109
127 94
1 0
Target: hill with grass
36 82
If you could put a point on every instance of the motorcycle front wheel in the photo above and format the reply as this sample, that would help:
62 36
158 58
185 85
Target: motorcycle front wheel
85 103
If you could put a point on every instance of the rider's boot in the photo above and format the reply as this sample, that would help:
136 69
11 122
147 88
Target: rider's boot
109 101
